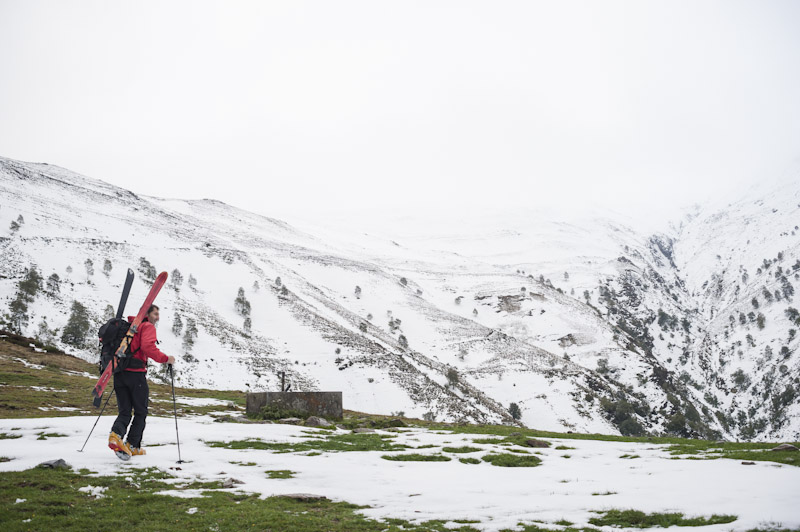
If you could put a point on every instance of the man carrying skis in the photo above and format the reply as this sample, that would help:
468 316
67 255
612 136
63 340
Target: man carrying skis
131 388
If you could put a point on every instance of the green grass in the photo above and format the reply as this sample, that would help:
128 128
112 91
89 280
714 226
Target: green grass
6 436
745 451
416 457
564 448
469 460
487 441
330 443
20 400
463 449
54 503
280 473
601 493
630 456
249 464
273 412
45 435
512 460
637 519
533 527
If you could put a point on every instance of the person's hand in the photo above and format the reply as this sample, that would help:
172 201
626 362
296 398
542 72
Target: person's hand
170 360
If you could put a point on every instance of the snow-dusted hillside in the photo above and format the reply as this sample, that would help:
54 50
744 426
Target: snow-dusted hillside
592 324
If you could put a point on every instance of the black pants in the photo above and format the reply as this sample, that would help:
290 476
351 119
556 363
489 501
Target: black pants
132 392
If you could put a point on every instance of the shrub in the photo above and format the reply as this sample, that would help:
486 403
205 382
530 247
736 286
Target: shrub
147 270
452 376
190 333
515 411
176 279
53 284
631 427
77 326
177 325
241 303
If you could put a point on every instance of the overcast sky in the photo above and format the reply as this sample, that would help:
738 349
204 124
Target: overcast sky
296 106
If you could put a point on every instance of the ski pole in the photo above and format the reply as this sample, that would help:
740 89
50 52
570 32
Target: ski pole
175 411
96 420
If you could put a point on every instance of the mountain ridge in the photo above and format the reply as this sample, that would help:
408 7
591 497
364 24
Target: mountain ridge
455 328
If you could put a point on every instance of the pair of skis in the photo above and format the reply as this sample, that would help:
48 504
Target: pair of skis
97 392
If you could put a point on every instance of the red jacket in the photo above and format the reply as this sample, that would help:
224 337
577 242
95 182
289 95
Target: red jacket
143 345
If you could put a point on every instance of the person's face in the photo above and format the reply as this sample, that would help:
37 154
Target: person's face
153 316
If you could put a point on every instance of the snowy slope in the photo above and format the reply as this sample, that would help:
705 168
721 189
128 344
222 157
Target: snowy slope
560 316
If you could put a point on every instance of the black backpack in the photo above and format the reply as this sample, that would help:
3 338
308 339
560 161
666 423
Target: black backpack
111 334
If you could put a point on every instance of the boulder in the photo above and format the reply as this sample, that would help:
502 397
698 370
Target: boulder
315 421
785 447
748 463
55 464
396 422
231 482
304 497
290 420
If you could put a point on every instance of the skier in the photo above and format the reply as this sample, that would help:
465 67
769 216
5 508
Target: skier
131 388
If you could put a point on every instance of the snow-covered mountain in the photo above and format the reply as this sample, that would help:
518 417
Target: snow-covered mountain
590 323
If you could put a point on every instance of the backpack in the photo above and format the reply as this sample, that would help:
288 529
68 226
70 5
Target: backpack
111 334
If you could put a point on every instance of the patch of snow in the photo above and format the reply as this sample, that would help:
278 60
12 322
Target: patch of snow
559 488
95 491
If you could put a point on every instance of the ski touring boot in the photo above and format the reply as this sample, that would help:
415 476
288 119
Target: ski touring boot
136 451
122 450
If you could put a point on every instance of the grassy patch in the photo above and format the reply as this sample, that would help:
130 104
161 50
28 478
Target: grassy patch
512 460
249 464
65 372
488 441
7 436
54 503
749 451
601 493
274 412
637 519
463 449
331 443
630 456
416 457
45 435
280 473
564 448
4 459
469 460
